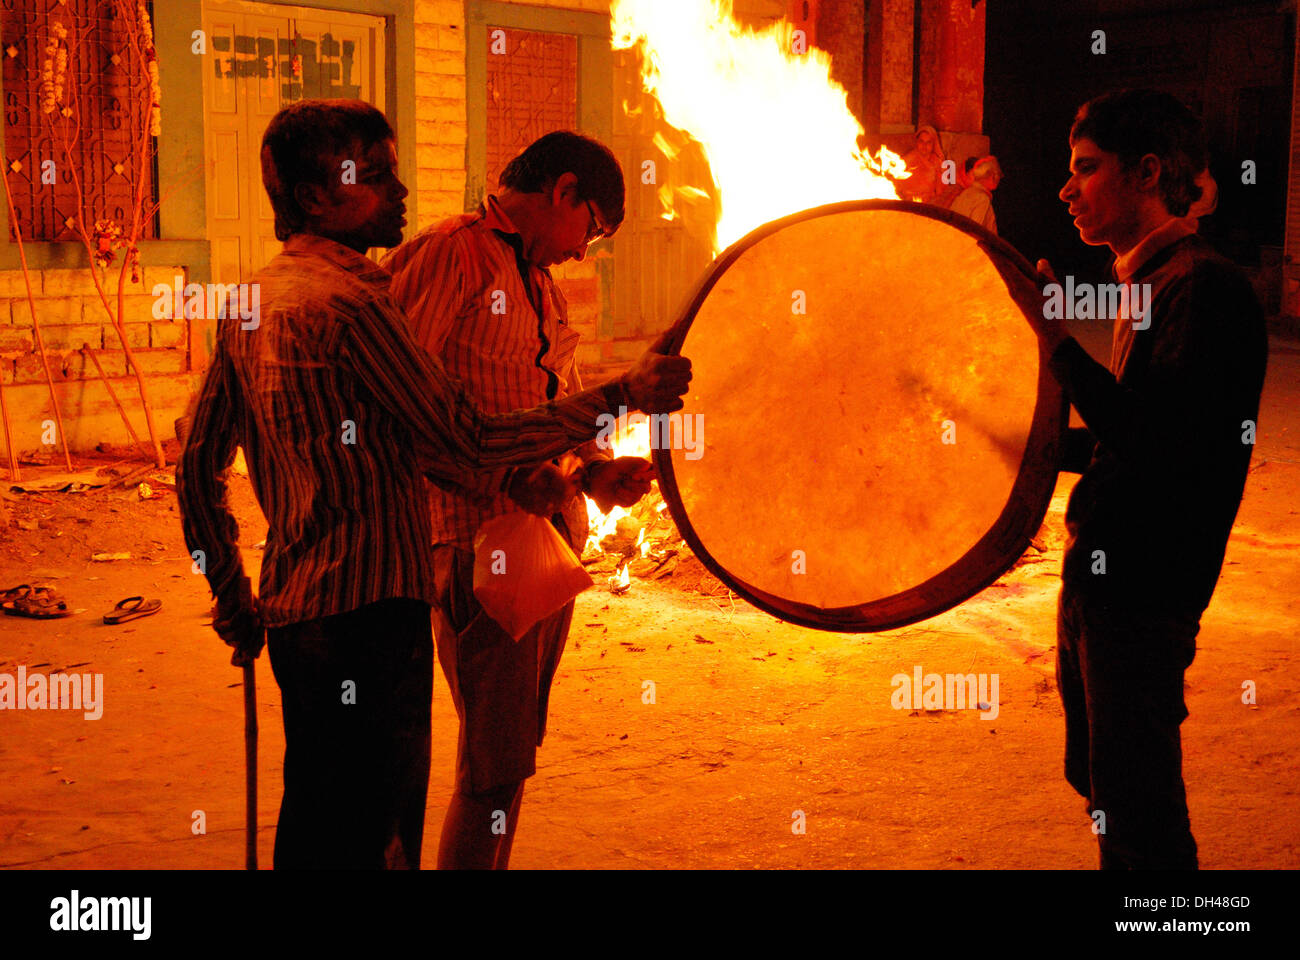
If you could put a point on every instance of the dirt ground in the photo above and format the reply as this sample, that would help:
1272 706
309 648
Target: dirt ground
753 719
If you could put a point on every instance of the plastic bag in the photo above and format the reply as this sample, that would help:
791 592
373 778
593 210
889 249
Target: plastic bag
524 571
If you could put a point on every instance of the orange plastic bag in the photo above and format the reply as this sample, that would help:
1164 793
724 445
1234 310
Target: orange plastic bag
524 571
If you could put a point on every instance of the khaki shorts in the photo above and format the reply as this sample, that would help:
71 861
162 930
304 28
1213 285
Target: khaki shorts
501 687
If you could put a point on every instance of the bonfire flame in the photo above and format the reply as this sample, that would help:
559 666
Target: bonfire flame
776 129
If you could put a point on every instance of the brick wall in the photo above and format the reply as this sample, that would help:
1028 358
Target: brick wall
440 130
887 99
952 66
71 314
840 25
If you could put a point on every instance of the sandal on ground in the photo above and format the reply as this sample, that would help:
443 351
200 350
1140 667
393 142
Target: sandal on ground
132 608
37 603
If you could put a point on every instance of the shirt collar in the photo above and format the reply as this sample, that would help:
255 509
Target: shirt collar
360 266
1162 236
494 216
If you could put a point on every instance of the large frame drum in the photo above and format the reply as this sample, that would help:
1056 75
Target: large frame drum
876 436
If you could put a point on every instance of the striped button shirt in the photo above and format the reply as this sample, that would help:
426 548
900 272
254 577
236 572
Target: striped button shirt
500 326
339 412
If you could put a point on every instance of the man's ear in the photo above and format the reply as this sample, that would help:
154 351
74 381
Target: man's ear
1148 173
310 197
566 188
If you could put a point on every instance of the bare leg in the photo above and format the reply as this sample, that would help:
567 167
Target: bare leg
512 823
472 834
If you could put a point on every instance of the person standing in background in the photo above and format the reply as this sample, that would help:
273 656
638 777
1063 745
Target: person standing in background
976 201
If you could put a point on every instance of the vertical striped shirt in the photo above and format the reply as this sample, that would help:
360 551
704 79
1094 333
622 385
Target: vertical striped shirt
500 326
339 413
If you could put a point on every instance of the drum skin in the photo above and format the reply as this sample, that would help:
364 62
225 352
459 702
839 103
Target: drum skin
875 436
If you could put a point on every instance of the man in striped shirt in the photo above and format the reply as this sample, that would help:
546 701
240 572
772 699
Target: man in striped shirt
480 297
339 414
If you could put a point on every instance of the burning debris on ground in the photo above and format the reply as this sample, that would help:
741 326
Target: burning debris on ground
645 546
642 543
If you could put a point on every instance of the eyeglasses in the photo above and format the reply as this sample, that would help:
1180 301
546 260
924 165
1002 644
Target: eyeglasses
596 231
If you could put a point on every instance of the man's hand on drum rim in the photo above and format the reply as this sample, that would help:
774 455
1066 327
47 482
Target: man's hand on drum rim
1028 292
656 382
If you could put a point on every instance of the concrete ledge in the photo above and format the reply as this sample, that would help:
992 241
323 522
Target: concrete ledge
97 420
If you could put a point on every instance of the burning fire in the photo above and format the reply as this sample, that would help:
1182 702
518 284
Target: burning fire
777 130
634 443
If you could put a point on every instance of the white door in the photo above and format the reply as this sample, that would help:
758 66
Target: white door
262 56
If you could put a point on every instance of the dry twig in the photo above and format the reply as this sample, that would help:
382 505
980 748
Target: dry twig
36 326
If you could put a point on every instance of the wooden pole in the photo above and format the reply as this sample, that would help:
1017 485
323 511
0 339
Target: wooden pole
9 439
250 766
85 348
36 326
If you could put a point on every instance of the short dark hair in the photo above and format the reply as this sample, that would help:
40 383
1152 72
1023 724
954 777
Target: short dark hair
303 139
1133 123
546 159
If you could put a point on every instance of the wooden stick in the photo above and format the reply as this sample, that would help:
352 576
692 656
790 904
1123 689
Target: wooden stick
85 348
36 326
250 766
126 480
9 438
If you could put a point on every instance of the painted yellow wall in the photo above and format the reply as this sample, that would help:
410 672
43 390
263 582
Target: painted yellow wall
70 313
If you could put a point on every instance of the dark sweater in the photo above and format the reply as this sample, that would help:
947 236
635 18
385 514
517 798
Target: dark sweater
1165 477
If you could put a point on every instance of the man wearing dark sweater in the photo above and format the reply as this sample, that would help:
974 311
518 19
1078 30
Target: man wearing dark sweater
1169 432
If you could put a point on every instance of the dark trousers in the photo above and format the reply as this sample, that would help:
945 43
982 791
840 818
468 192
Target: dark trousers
356 689
1120 675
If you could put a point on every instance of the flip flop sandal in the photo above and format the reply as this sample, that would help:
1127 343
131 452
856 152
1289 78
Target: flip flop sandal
14 593
10 597
132 608
36 603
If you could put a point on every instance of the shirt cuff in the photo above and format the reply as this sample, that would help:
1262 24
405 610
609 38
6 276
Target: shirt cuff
1063 358
616 396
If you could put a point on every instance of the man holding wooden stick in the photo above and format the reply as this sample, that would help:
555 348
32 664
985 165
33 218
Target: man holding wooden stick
339 413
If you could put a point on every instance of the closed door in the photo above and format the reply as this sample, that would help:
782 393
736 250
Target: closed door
262 57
